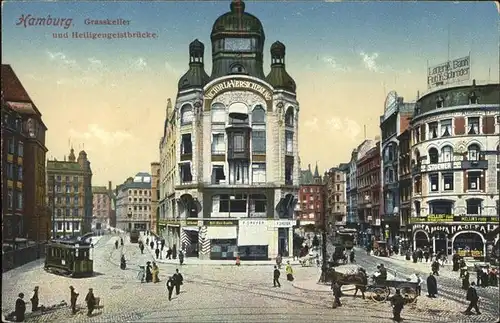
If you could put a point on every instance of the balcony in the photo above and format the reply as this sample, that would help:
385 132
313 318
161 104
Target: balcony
474 164
238 154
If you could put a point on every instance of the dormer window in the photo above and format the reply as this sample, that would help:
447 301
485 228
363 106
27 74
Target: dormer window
473 98
439 102
237 69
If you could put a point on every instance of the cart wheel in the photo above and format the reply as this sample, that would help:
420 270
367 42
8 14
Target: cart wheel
409 294
379 295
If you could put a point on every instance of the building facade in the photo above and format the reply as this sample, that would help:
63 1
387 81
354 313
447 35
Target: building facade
310 210
352 192
405 184
368 178
23 154
396 118
69 187
455 139
133 203
155 194
335 182
236 147
101 213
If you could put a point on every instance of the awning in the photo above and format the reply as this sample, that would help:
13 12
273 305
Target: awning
219 232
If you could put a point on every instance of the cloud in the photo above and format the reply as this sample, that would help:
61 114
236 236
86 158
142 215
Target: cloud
61 58
139 64
332 63
369 61
95 132
349 128
95 61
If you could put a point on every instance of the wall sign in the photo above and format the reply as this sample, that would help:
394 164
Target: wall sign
449 72
284 223
194 223
252 222
390 104
438 218
454 228
217 88
220 222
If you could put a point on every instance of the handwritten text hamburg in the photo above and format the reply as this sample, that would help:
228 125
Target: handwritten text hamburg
65 23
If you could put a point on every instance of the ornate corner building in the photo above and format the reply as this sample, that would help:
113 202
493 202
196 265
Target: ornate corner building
229 166
454 160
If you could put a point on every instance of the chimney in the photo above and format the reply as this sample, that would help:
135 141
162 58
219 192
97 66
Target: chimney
109 186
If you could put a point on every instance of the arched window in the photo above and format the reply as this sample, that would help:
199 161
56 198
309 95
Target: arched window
258 115
186 114
433 156
218 112
289 117
447 154
473 152
237 68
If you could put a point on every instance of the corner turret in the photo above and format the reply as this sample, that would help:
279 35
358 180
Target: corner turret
195 77
278 77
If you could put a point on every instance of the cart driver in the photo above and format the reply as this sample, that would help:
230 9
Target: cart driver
381 274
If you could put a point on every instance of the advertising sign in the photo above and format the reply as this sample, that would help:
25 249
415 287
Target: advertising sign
449 72
438 218
212 92
220 222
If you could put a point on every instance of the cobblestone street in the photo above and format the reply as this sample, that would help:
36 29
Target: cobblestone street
211 293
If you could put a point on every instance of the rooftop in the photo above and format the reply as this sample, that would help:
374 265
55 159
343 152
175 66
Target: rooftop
56 165
99 190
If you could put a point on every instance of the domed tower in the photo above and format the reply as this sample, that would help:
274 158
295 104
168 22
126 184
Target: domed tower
71 156
278 76
195 77
237 43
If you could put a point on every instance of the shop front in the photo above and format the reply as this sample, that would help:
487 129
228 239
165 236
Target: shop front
466 238
253 243
223 237
170 230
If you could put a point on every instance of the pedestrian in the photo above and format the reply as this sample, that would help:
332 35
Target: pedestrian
181 257
174 251
435 267
276 277
152 244
465 280
426 255
149 274
73 298
398 303
170 287
473 299
279 260
162 244
337 292
20 308
432 286
456 261
141 246
289 271
419 284
178 281
34 300
147 241
157 252
91 301
169 253
156 273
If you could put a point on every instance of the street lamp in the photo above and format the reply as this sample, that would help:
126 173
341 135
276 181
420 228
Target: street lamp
324 266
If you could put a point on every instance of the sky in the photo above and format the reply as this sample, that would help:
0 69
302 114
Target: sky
109 96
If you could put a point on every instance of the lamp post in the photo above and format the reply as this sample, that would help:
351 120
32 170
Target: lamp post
324 266
53 197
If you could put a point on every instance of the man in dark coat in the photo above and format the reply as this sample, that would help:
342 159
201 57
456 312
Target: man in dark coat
473 299
20 308
170 287
91 301
276 277
152 244
73 298
435 267
465 280
432 286
174 251
178 281
456 261
34 300
149 274
141 246
398 303
169 253
157 252
337 292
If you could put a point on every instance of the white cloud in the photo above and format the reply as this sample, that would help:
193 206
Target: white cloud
332 63
312 124
61 58
349 128
94 61
369 61
95 132
139 64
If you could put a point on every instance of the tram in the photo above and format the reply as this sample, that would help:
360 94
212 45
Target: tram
69 258
134 236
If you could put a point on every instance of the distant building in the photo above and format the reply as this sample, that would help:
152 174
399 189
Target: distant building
24 208
133 203
69 187
310 210
101 215
352 192
155 195
405 183
335 181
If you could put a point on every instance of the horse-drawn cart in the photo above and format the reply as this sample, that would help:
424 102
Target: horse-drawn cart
308 260
380 290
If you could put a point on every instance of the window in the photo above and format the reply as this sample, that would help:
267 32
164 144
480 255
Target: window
218 175
76 212
238 173
259 173
218 144
473 152
58 188
218 112
68 225
75 179
259 142
473 98
289 117
258 203
338 187
20 149
186 115
186 144
441 207
11 146
68 189
447 154
75 200
238 142
185 172
67 212
434 182
448 181
289 142
76 226
473 125
75 188
474 206
19 173
433 156
229 203
445 128
10 171
67 200
433 130
59 212
237 68
10 198
288 173
473 180
59 226
258 115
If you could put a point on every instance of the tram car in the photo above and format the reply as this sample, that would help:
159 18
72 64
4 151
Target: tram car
69 258
134 236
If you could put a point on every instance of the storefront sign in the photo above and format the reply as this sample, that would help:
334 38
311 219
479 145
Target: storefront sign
438 218
193 223
449 72
284 223
167 222
220 222
470 253
212 92
252 222
454 228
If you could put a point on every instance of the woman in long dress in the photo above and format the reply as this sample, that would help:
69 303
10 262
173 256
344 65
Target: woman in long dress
156 273
289 271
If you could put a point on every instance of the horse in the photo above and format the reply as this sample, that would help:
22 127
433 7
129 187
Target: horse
358 279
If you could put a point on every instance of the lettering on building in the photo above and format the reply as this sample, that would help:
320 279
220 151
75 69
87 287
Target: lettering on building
238 84
220 223
449 72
